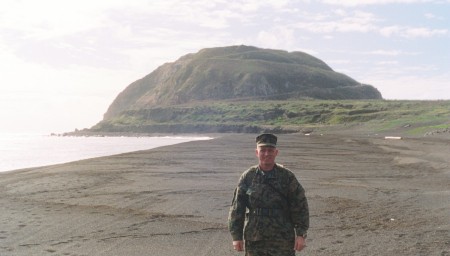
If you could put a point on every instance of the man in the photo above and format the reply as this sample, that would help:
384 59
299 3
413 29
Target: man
271 203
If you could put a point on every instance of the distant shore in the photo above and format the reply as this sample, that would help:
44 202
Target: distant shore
367 196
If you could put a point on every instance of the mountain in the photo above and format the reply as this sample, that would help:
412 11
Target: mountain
239 73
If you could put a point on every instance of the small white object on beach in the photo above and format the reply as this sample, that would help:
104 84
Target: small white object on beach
392 138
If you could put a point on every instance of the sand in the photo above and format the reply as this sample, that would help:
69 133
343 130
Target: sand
367 196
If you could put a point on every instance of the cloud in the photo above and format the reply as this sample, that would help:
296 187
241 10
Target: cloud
390 30
412 32
384 52
101 33
340 21
278 36
353 3
432 16
423 32
387 62
343 26
48 18
391 52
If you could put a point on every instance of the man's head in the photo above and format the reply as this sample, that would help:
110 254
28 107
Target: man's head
266 150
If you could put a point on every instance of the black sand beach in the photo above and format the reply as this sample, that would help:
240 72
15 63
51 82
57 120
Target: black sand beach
367 196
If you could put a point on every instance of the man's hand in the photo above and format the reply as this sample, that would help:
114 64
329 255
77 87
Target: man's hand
238 245
300 243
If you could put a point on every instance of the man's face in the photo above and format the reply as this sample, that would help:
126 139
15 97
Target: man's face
266 155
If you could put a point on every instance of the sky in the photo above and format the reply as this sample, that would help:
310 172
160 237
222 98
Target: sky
63 62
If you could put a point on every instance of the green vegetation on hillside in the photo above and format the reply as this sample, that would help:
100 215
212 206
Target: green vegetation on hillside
413 118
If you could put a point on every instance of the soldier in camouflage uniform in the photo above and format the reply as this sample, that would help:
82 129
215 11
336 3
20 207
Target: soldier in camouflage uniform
269 210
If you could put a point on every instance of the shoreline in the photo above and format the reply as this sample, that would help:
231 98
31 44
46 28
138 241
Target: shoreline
25 151
367 196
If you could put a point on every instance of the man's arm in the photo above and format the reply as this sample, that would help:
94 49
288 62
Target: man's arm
299 208
236 216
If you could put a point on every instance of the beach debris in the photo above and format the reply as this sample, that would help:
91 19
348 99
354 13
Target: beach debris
392 138
307 131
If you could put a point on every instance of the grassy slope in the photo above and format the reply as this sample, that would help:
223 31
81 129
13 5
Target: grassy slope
413 118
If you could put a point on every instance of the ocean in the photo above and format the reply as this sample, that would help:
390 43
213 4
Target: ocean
18 151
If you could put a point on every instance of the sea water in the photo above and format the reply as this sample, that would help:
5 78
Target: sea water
19 151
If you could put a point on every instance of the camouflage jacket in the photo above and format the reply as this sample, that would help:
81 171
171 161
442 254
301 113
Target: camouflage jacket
271 205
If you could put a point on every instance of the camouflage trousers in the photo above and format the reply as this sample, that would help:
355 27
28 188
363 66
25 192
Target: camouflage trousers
269 248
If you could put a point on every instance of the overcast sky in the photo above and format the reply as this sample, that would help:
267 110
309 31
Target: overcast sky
63 62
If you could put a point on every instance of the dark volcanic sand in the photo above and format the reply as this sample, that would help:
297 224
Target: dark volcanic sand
367 196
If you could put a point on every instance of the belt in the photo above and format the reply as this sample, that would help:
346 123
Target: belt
267 212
